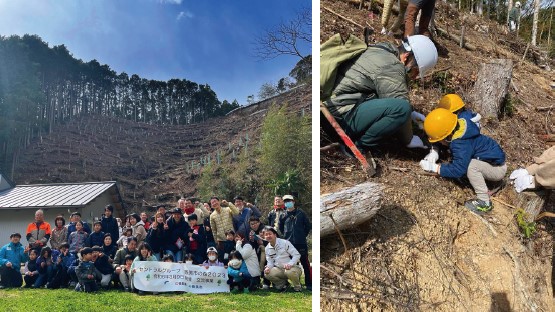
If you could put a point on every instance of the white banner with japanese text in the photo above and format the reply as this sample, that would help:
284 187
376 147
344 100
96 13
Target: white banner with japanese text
169 276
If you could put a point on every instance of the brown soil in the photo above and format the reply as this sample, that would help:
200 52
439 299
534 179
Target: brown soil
424 250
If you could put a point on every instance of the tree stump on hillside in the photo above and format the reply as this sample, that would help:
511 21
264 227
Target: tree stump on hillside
532 203
492 86
349 207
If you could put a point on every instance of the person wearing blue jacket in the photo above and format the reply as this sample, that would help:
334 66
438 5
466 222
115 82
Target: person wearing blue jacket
238 273
475 155
11 257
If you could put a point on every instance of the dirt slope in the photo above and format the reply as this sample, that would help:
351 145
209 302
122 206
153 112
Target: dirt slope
152 163
424 250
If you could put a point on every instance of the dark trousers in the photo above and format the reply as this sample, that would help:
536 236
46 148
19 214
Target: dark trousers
90 287
10 277
30 280
60 279
303 250
370 122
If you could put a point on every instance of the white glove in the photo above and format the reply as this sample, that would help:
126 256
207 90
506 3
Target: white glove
418 119
416 142
433 156
520 172
524 182
384 31
476 119
429 166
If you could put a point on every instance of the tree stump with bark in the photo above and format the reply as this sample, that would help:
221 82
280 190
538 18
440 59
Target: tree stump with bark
492 86
532 203
349 207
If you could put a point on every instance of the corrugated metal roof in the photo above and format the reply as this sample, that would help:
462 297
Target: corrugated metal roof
52 195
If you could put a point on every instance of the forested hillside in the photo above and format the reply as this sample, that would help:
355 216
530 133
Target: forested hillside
42 86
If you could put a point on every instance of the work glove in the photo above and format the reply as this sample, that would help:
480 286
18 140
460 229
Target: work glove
416 142
520 172
418 119
522 180
429 166
433 156
476 119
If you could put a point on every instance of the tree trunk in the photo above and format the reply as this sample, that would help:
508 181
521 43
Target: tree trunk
491 87
535 21
349 207
509 7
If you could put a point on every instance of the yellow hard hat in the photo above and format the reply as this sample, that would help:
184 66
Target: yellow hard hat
451 102
439 124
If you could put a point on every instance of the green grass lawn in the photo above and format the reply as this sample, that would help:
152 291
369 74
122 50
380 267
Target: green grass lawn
113 300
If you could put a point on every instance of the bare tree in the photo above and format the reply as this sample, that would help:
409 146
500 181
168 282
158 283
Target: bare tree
535 21
285 38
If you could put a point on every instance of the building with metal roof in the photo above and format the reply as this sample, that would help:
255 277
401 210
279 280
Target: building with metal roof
19 203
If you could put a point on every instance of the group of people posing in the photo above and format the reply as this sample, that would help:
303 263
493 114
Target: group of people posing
215 233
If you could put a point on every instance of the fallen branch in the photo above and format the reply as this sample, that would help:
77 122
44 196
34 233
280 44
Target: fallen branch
329 147
343 17
339 232
455 38
399 169
504 203
544 108
437 71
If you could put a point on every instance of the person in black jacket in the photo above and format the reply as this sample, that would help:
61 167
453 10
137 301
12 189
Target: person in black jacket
177 230
96 238
108 248
295 227
109 224
158 235
197 240
103 265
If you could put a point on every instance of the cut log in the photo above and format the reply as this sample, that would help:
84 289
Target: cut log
491 87
349 207
532 203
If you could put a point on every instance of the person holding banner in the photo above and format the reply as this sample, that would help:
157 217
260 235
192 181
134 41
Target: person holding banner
212 254
283 261
145 254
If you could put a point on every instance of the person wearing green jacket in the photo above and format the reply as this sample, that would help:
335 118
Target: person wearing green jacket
370 96
514 17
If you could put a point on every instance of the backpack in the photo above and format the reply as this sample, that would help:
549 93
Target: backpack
333 53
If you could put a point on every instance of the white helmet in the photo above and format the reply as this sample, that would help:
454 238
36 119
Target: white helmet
424 51
517 4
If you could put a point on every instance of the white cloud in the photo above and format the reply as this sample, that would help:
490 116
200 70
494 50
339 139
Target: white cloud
171 1
184 14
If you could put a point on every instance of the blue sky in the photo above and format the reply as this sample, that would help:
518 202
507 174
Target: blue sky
202 41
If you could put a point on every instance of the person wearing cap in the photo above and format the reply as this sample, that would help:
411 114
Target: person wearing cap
74 217
370 97
177 235
295 227
221 220
212 255
246 211
38 232
282 259
110 224
475 155
11 257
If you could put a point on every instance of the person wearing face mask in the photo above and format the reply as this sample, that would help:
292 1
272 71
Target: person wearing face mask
295 227
212 254
370 94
